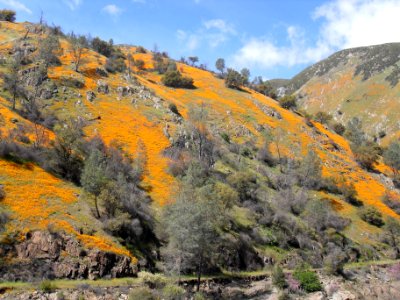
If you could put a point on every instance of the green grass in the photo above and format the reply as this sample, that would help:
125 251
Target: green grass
72 284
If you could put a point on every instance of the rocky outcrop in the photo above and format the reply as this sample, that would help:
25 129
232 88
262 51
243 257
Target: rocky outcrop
102 87
90 96
58 255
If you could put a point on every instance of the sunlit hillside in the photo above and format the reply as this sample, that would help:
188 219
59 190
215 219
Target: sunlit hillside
137 114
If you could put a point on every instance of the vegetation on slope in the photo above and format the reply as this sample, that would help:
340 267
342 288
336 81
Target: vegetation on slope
261 182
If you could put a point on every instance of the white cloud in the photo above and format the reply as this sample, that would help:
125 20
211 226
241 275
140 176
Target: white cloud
345 24
212 33
73 4
353 23
219 25
112 10
16 5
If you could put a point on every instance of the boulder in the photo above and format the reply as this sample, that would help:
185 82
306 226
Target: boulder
90 96
102 87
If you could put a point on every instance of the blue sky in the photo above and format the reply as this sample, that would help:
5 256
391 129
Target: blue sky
273 38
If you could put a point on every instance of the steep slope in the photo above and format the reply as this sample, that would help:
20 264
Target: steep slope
362 82
242 114
134 114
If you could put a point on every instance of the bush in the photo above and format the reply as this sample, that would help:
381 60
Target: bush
47 286
153 281
115 64
2 192
199 296
278 278
176 80
141 293
172 107
288 102
322 117
308 279
338 128
350 194
233 79
173 292
372 216
330 185
226 137
140 49
396 181
366 154
73 82
7 15
139 63
102 47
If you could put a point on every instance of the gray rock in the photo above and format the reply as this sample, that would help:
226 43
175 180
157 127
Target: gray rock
90 96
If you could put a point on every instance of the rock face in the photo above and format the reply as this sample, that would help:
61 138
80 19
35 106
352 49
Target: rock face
102 87
47 255
90 96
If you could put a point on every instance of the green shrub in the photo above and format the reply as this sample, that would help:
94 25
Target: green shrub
226 137
176 80
153 281
172 107
47 286
278 277
288 101
338 128
173 292
140 49
115 64
199 296
308 279
72 81
141 293
7 15
372 216
322 117
350 194
2 192
233 79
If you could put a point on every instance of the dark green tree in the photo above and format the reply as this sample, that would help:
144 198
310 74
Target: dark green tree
93 177
191 225
13 80
193 60
7 15
220 65
233 79
245 75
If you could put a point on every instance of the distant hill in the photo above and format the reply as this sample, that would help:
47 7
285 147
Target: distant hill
362 82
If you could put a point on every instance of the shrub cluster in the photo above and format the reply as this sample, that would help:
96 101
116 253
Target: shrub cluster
176 80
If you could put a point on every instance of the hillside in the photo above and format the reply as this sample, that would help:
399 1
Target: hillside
362 82
209 135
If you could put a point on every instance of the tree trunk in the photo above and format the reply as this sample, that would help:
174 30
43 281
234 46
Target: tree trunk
97 207
199 270
14 100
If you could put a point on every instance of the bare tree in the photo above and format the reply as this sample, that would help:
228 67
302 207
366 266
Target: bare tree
77 48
